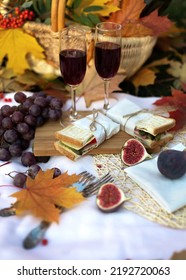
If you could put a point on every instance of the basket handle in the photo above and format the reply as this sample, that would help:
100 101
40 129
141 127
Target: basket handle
58 15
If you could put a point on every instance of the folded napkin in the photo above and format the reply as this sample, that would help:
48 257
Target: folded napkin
85 134
105 128
169 194
122 111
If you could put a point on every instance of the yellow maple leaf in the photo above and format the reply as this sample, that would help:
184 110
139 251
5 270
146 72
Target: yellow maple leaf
144 77
44 192
16 45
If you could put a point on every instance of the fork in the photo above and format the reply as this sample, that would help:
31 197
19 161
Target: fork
36 235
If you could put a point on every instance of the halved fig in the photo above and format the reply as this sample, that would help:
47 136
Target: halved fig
110 197
133 152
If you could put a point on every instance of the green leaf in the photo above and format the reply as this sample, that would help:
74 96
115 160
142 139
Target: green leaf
27 5
93 18
76 4
86 21
93 9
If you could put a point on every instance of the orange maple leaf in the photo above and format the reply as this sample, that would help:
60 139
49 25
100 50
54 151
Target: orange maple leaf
129 10
43 193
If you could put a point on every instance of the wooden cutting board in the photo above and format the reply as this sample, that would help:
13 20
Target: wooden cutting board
44 140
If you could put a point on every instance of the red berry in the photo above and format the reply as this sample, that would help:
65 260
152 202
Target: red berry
44 242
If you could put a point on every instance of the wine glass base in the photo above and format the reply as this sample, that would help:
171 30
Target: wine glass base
68 119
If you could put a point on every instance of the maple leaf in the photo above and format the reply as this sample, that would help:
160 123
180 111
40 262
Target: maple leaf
44 192
177 99
144 77
158 24
16 45
130 10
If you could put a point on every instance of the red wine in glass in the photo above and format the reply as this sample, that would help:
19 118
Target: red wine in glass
73 66
107 53
107 59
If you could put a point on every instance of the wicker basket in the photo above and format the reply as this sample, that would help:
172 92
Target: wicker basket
135 51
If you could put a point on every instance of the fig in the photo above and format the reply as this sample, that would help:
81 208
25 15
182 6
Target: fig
172 163
133 152
110 197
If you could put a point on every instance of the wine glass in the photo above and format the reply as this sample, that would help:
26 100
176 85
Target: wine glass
107 54
72 57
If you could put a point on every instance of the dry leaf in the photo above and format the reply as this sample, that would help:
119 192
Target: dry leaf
16 45
130 10
158 24
42 194
144 77
179 255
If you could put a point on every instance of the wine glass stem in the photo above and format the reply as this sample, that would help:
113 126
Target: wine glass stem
73 112
106 88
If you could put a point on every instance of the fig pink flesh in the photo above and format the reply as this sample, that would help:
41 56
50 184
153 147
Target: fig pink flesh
109 196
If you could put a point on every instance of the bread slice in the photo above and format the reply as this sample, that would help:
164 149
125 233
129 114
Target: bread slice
155 124
153 144
65 151
76 137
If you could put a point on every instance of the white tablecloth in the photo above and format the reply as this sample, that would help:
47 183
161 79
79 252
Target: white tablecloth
84 232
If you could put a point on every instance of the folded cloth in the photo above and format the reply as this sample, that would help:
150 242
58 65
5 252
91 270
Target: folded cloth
85 134
169 194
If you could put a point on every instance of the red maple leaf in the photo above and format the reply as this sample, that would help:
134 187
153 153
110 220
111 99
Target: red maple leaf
158 24
180 118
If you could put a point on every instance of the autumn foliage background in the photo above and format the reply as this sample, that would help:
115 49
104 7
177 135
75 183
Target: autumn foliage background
163 70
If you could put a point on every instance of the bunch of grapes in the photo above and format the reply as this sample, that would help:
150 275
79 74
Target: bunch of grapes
18 123
16 18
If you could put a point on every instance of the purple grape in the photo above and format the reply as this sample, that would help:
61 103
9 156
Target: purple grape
23 128
54 115
26 105
19 180
7 123
15 150
30 120
28 159
41 101
17 117
20 97
35 110
33 170
6 110
10 135
56 103
57 172
29 135
4 154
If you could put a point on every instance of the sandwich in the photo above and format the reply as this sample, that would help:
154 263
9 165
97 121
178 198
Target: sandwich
150 129
153 131
78 139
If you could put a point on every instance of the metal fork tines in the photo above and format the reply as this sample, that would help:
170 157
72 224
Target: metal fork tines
94 187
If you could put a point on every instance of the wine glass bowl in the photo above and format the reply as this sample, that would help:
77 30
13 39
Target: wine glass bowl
72 57
107 53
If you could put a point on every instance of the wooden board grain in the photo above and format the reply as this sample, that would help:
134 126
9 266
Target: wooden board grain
45 138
